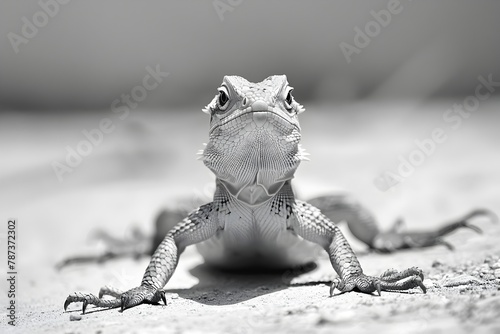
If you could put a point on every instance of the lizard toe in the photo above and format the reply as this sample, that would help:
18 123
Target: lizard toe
404 283
89 299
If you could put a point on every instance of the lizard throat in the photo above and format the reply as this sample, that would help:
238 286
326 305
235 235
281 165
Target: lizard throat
253 193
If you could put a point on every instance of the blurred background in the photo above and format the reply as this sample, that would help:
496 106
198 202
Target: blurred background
375 77
90 52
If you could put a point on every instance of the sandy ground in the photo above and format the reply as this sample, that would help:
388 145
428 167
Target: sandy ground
148 162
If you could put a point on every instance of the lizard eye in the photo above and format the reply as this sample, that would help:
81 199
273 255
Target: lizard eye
289 98
223 98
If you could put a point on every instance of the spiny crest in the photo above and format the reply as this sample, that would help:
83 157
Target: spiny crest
300 109
201 152
303 154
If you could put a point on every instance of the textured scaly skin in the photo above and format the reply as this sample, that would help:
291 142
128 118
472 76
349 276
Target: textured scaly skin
254 219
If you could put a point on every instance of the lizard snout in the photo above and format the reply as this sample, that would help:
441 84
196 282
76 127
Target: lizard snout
260 105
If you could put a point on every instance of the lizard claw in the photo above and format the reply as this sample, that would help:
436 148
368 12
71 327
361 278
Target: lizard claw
336 283
88 298
84 306
420 283
125 303
124 300
69 300
394 239
439 241
66 304
472 227
391 280
162 295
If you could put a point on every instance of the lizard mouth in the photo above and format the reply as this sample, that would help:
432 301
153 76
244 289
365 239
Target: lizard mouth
246 122
260 112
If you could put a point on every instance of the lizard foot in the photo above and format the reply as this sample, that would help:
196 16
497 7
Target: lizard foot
391 280
135 246
394 239
124 300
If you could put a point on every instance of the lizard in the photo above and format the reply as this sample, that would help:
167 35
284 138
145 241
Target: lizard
255 218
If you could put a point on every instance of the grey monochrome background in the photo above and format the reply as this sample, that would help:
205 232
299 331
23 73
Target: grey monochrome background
89 52
100 112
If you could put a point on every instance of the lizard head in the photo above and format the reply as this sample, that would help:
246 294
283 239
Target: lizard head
254 136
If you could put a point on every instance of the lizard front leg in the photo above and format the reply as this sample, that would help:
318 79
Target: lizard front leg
312 225
198 226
